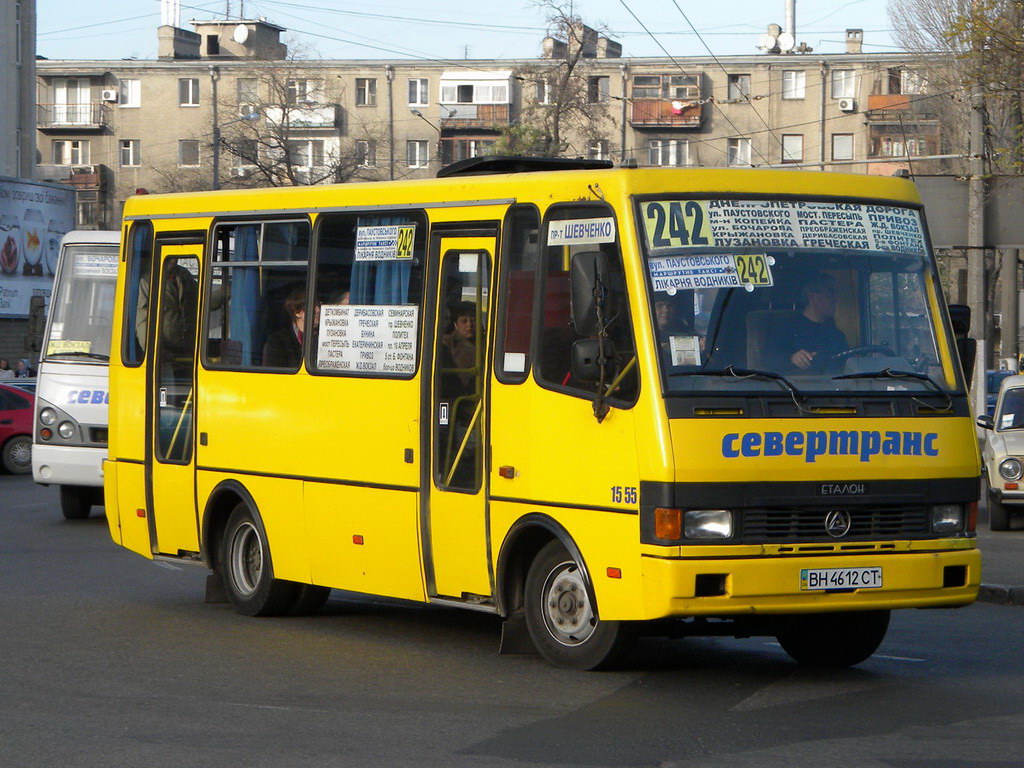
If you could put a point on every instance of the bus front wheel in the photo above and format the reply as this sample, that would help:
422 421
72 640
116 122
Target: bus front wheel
76 501
833 639
247 571
562 619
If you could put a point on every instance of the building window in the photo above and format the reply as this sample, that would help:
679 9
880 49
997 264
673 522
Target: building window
419 92
597 150
130 153
248 90
305 91
843 84
739 152
188 153
597 89
417 154
366 153
794 84
131 93
188 92
739 87
672 87
669 152
792 147
911 82
71 151
842 146
543 94
366 91
306 153
460 149
474 93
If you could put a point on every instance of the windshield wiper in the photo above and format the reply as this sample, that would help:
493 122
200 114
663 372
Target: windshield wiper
889 373
752 373
79 353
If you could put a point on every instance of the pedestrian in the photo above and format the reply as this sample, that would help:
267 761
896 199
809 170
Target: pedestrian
22 370
5 369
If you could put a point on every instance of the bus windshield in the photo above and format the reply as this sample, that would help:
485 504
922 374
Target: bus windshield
81 310
813 296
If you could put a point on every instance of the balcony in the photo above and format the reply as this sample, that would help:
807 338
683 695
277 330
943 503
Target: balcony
481 116
303 115
71 117
894 107
661 113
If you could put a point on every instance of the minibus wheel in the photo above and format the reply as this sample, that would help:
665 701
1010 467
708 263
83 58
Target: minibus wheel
247 571
561 617
833 639
76 501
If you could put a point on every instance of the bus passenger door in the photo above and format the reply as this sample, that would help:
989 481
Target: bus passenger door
455 535
170 407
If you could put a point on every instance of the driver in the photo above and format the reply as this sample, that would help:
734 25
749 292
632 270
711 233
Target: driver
811 340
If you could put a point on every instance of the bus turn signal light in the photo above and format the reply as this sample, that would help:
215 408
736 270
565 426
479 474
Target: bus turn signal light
357 538
614 573
668 523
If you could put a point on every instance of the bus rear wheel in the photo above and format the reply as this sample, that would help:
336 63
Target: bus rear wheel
76 501
833 639
561 617
247 571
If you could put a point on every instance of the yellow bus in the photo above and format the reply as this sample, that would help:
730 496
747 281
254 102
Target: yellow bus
594 401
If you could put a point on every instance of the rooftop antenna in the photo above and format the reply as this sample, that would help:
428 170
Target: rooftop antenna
170 13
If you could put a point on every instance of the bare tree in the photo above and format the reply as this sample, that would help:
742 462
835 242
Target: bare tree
564 105
284 126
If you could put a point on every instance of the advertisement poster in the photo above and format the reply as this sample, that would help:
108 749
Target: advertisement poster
33 218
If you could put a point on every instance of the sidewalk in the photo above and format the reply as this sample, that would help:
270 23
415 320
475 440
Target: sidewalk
1002 562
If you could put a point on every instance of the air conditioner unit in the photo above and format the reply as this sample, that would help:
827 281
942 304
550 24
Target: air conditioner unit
109 94
848 105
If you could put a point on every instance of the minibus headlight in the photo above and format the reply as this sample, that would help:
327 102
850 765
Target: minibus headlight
66 430
47 416
1011 469
708 524
947 518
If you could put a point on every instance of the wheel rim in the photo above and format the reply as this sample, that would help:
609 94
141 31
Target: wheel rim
246 558
568 614
21 454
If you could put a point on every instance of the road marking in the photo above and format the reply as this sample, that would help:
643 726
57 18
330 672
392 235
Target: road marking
168 566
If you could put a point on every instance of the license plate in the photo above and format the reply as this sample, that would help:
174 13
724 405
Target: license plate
841 578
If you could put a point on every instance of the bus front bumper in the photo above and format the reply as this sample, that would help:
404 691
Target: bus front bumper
67 465
717 586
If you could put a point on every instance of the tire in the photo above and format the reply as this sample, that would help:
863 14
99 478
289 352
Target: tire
562 620
247 570
17 455
998 514
76 501
833 639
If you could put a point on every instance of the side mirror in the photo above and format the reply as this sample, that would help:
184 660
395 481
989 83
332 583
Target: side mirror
36 324
986 422
960 317
588 285
589 356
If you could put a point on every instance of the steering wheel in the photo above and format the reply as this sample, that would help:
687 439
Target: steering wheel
862 351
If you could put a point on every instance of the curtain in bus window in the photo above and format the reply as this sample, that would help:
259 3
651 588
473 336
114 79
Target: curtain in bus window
381 282
245 292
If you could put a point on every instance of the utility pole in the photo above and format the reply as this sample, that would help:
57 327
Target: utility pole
977 288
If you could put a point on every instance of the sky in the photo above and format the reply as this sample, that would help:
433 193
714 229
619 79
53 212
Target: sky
460 29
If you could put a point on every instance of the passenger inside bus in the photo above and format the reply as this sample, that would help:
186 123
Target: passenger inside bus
459 345
283 348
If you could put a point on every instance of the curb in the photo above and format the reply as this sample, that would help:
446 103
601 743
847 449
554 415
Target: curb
1001 594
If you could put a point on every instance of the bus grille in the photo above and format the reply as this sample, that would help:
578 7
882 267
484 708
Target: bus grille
809 524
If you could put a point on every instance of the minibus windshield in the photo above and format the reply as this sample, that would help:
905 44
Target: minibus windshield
802 296
82 305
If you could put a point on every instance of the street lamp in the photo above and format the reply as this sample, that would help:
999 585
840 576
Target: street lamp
451 114
248 118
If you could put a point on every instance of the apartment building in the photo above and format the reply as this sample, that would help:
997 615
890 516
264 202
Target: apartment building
226 105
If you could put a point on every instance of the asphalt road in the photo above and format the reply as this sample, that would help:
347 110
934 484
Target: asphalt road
107 659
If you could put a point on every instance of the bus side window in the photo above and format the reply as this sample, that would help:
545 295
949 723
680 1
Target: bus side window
520 257
136 310
557 334
258 280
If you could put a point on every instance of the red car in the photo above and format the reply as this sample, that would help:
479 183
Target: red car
16 406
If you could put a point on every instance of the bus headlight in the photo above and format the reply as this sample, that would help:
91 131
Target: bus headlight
947 518
1011 469
66 430
708 524
47 416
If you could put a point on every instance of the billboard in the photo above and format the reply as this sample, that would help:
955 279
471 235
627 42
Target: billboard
33 217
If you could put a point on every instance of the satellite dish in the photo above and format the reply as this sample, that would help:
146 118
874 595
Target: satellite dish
241 34
786 42
768 43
